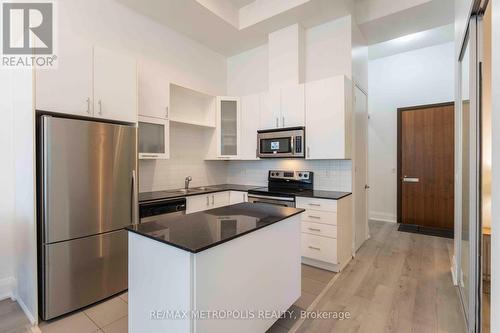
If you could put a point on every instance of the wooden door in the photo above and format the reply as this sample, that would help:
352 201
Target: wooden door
426 166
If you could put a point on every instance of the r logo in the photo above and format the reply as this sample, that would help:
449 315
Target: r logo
27 28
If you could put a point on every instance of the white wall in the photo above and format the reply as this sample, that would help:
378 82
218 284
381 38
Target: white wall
24 198
423 76
189 63
7 208
333 175
188 146
247 73
328 50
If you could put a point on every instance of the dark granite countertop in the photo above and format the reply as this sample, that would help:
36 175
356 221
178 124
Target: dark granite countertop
320 194
172 194
200 231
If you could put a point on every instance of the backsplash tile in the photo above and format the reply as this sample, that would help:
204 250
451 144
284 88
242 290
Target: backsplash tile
333 175
186 159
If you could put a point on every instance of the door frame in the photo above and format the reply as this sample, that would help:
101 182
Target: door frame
400 154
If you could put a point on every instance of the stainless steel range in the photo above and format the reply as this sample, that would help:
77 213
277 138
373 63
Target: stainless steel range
282 187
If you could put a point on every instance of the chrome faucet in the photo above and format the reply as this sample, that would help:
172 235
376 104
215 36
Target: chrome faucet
186 182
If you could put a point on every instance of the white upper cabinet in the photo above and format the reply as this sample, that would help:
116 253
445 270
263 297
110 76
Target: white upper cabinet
270 112
292 106
282 107
328 118
228 127
68 87
154 90
115 86
250 109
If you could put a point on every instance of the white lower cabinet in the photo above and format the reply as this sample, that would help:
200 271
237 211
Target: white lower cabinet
326 232
198 203
236 197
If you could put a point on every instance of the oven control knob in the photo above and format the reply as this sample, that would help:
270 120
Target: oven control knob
300 175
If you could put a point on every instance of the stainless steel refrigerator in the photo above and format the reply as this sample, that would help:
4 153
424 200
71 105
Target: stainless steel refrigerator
87 195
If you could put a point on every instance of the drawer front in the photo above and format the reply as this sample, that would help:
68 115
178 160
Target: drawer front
317 216
317 204
319 248
319 229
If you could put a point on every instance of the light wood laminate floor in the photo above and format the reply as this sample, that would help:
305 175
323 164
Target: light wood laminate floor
398 282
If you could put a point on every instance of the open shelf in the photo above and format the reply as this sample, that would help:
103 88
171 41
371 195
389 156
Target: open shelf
191 122
191 107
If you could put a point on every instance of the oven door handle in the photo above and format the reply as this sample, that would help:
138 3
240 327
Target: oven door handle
270 197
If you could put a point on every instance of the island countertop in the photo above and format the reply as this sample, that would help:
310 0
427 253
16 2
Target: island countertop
200 231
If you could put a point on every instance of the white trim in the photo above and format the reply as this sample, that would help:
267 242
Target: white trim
7 288
382 217
27 312
453 269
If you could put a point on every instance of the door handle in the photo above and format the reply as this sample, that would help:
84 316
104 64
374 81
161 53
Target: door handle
213 199
88 105
407 179
277 122
100 107
135 201
283 121
208 202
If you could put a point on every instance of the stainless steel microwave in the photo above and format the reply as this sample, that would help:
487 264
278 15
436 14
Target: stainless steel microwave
281 143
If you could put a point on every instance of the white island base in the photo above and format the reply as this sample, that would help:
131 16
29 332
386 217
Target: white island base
256 272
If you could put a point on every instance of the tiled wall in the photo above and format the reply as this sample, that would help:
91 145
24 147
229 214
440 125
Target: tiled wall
187 152
333 175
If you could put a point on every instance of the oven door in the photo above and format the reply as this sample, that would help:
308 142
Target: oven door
278 201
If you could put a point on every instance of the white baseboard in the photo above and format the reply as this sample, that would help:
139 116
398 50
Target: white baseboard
27 312
7 288
454 271
383 217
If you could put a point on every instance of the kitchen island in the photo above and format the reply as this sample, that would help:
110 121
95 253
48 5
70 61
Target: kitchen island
230 269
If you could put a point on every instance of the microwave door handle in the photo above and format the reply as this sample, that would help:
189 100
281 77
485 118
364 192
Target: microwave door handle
292 138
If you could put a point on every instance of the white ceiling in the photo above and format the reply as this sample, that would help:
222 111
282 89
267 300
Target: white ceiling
194 20
414 41
226 26
240 3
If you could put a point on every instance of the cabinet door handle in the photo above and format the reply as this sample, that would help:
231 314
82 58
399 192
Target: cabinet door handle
213 199
88 105
314 248
283 121
208 202
315 204
166 112
314 217
277 122
314 229
100 107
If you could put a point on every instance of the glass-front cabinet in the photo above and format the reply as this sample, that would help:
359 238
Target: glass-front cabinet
153 138
228 127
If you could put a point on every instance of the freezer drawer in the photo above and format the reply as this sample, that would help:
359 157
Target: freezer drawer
80 272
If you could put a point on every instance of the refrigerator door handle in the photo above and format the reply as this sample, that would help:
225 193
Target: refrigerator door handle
135 203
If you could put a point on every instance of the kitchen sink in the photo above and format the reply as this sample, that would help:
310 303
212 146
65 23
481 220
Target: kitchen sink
205 188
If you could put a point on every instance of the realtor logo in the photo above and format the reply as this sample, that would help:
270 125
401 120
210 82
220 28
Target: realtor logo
28 34
27 28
